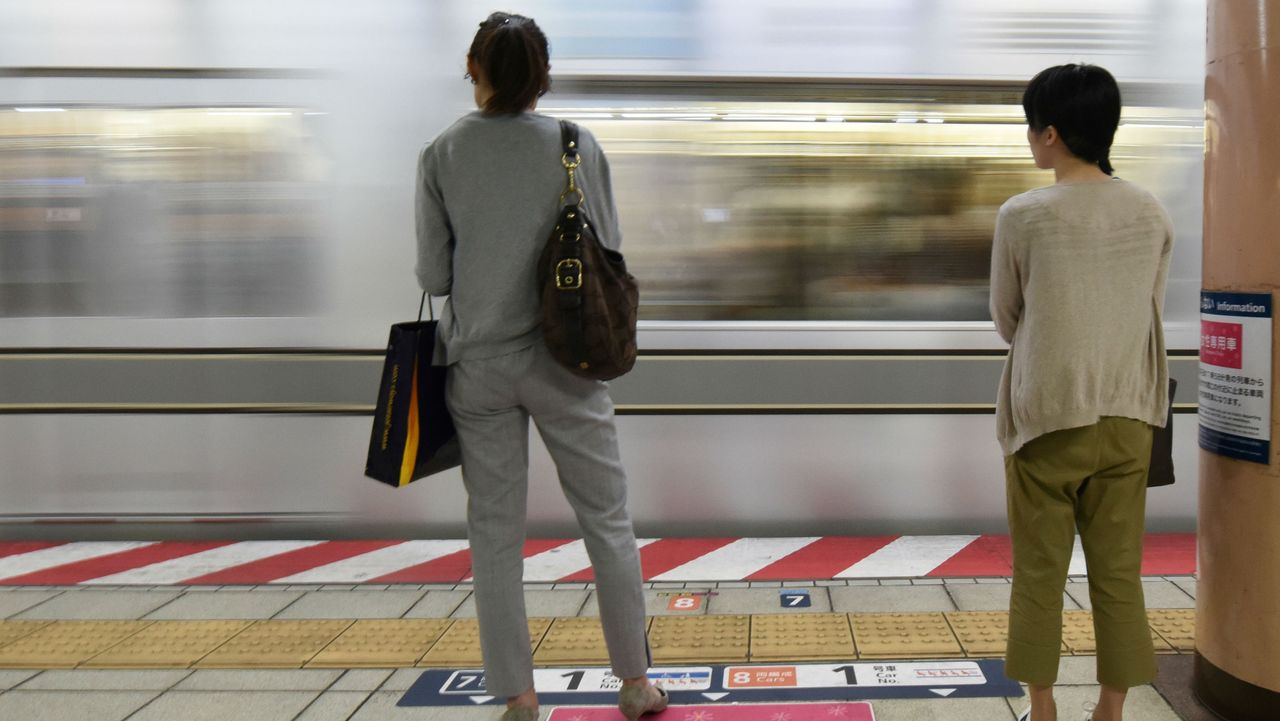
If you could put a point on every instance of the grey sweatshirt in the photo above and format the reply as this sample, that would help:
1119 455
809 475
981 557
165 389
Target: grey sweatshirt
1078 276
488 195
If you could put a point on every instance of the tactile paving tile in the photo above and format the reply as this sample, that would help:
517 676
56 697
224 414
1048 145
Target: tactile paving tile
66 644
904 635
275 644
11 631
1175 626
166 644
382 643
706 639
459 647
808 637
573 641
981 633
1077 633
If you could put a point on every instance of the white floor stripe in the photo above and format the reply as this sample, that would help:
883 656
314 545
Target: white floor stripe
737 560
45 558
908 556
176 570
377 563
1077 567
552 565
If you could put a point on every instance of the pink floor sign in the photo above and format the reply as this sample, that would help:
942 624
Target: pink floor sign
859 711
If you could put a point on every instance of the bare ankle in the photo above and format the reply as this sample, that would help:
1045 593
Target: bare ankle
1043 706
637 681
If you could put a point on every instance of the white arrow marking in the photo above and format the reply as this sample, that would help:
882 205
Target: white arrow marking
480 699
943 691
715 696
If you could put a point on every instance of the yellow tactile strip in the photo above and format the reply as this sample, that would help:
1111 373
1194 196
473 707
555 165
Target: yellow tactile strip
460 645
275 644
389 643
704 639
165 644
981 633
66 644
396 643
11 631
801 637
577 640
904 635
1177 626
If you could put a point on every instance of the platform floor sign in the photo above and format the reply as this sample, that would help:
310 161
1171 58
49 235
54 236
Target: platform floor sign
730 712
737 684
685 602
794 598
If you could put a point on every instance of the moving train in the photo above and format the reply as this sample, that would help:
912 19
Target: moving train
206 229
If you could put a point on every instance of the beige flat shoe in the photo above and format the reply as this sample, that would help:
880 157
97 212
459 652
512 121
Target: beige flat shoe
634 701
520 713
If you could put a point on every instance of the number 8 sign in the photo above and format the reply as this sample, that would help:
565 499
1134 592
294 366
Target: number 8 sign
685 603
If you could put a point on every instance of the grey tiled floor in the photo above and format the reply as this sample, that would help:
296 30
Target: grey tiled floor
372 694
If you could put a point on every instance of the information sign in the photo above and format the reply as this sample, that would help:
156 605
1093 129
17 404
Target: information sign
889 673
701 685
1235 375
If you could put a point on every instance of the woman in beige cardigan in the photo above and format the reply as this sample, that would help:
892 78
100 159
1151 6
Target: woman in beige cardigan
1078 274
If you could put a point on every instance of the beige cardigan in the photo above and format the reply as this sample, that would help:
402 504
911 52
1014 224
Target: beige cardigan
1078 274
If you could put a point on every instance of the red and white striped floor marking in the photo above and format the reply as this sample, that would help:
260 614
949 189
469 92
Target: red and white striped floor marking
547 560
267 570
359 569
908 556
737 560
39 560
178 570
557 563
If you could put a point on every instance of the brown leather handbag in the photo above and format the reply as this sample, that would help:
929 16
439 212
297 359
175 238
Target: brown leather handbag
589 300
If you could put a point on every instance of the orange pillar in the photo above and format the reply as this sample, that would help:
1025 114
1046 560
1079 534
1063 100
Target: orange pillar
1238 597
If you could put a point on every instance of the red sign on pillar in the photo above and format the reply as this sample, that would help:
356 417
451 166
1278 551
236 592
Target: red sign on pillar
1220 343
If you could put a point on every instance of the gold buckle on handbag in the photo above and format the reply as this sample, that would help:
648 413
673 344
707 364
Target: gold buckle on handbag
569 274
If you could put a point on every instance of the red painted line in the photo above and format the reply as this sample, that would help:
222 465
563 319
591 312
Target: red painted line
822 559
987 556
266 570
446 569
90 568
1169 554
14 548
662 556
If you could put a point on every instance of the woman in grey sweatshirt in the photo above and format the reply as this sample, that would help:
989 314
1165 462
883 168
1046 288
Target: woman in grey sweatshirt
1078 275
487 198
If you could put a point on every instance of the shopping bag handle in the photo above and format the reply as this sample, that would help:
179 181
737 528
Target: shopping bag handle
426 302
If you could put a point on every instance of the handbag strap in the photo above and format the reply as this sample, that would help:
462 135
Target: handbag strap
426 301
570 159
569 253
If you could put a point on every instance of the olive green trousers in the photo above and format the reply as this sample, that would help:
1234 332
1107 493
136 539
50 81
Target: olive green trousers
1093 480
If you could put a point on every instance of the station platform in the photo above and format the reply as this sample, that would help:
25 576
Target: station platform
92 641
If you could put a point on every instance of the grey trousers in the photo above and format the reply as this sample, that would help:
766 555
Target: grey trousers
491 401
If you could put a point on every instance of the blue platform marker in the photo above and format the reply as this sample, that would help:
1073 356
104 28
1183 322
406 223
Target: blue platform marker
795 598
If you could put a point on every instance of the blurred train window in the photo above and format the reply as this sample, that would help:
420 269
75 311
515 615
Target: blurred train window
158 212
880 208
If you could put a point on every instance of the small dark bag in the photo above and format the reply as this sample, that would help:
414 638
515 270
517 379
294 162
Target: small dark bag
1161 473
589 300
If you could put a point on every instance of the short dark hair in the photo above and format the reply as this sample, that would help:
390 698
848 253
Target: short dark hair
511 52
1083 103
